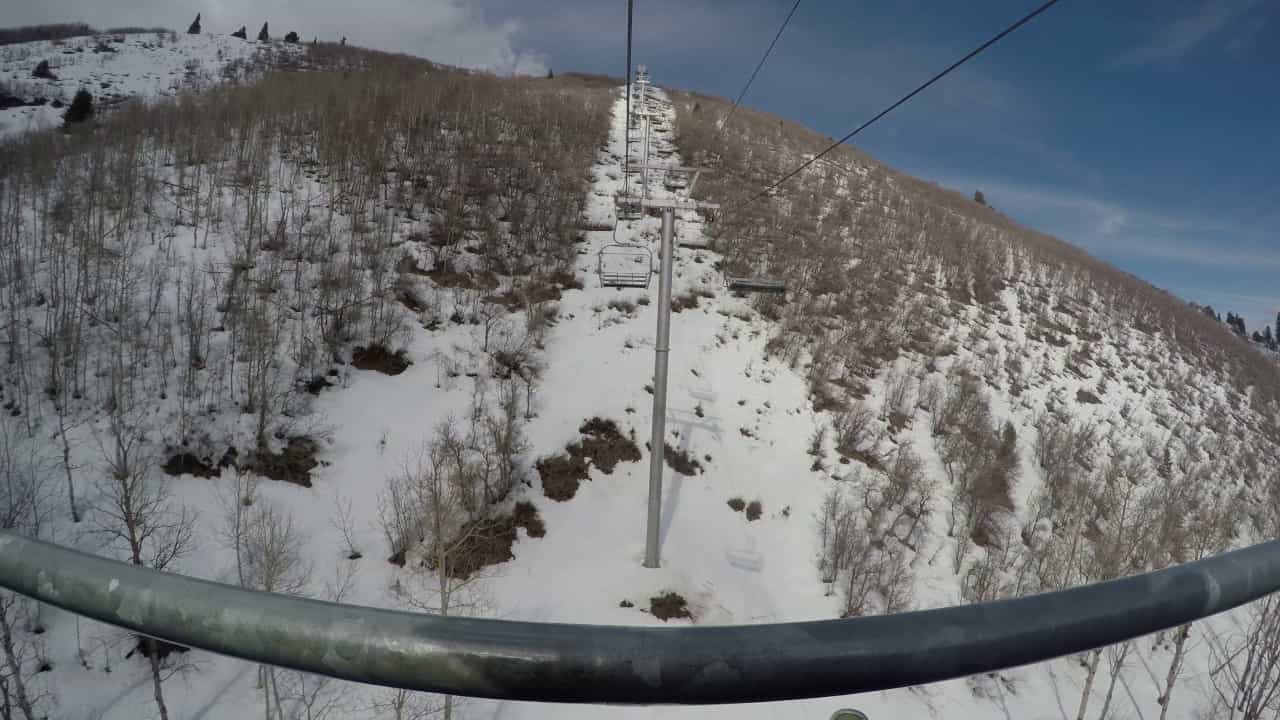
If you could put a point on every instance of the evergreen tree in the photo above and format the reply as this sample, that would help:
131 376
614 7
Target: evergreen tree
292 37
263 35
241 33
194 29
551 74
979 198
81 108
43 72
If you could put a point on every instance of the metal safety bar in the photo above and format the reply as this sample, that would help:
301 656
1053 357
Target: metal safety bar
549 662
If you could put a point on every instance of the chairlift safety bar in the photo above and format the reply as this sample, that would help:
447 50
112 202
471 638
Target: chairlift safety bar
551 662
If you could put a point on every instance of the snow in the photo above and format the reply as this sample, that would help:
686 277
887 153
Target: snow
747 419
118 67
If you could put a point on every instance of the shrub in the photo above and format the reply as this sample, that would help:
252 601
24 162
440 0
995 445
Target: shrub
292 37
242 33
81 108
43 72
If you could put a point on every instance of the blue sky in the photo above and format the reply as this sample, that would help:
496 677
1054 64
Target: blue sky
1146 131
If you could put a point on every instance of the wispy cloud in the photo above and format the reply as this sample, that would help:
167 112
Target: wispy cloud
1184 34
1115 230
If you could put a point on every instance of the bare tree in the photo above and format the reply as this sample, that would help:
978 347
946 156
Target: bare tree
1245 669
134 513
1194 519
273 562
441 489
21 498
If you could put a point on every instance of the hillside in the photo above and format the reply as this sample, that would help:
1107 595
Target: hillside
338 333
118 66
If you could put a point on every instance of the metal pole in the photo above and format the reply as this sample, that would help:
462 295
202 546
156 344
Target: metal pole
626 150
661 349
644 169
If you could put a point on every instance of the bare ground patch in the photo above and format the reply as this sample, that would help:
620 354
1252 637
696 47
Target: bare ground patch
380 359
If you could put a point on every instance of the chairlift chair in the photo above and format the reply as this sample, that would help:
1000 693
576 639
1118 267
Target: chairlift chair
759 282
624 266
627 208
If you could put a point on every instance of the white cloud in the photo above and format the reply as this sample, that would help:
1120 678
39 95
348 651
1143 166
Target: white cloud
1116 230
1185 33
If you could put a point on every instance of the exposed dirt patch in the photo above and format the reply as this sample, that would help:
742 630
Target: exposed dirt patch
488 541
446 276
754 509
561 475
484 542
316 384
1085 397
669 605
687 301
626 604
292 465
602 445
410 300
537 289
526 516
737 504
185 463
377 357
681 461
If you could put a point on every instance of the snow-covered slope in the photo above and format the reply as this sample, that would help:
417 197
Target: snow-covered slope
118 67
739 404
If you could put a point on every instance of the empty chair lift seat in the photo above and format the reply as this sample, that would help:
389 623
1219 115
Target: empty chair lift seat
624 266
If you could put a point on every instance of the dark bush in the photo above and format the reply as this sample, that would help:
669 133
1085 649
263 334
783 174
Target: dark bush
81 108
43 72
263 35
242 33
194 29
292 37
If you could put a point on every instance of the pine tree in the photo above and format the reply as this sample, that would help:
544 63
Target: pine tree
241 33
81 108
43 72
194 29
292 37
263 35
979 198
